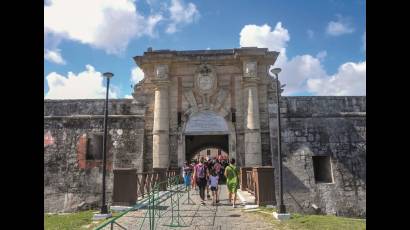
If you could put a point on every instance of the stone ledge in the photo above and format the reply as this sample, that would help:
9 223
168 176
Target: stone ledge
329 115
91 116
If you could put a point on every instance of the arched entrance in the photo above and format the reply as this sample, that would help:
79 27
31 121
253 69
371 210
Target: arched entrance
194 144
207 130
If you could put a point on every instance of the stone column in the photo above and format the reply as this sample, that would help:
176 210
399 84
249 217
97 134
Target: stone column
253 153
160 132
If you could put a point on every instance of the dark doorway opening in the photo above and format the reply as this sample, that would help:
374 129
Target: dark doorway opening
195 143
322 169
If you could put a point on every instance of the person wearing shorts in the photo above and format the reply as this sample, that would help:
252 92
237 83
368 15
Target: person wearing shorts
187 171
232 181
213 184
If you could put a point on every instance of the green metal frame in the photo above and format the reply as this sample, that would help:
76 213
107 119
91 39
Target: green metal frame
153 214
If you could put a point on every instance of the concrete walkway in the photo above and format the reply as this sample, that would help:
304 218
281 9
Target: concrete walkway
195 216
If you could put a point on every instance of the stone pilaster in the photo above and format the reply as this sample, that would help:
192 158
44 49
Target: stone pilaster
253 152
160 132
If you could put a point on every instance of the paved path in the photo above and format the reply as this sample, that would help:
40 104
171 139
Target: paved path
195 216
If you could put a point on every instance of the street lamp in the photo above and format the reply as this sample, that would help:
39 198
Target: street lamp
282 208
108 76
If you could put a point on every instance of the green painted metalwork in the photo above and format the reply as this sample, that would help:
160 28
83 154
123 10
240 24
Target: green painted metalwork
174 192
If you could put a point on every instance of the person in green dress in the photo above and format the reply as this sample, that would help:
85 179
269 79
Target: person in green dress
232 181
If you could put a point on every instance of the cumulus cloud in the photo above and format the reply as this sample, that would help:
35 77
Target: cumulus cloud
305 73
298 70
181 14
350 79
88 84
263 36
136 75
54 56
110 25
339 27
128 96
107 24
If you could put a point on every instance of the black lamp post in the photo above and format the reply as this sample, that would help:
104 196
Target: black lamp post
282 208
104 209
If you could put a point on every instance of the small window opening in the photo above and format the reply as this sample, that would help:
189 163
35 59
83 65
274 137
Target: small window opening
322 169
94 146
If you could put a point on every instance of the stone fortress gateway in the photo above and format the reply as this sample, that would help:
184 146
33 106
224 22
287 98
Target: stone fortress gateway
225 99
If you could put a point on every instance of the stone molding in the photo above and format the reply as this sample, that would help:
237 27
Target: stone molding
250 69
161 71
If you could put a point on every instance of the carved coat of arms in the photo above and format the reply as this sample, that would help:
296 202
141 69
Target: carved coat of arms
205 80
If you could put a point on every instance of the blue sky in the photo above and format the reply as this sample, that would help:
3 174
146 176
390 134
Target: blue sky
322 42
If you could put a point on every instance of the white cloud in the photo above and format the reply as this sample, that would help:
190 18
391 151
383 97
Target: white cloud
298 70
305 73
339 27
128 96
54 56
264 37
349 80
88 84
152 22
181 14
104 24
136 75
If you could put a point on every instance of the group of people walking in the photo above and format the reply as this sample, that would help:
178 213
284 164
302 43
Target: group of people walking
208 175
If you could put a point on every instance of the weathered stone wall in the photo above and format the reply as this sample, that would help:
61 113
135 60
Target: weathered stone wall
311 126
70 181
329 126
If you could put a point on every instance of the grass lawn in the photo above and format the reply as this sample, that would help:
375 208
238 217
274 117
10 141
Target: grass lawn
83 220
77 220
313 222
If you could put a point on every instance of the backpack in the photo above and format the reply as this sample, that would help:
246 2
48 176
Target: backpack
200 171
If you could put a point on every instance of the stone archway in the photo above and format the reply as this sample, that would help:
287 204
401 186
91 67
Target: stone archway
207 129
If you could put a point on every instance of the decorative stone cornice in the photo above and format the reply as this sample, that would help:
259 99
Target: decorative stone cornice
262 55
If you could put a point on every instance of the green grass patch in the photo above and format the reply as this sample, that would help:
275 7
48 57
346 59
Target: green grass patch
76 220
313 222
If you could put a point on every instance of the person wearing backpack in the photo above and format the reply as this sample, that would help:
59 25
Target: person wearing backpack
200 177
232 181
